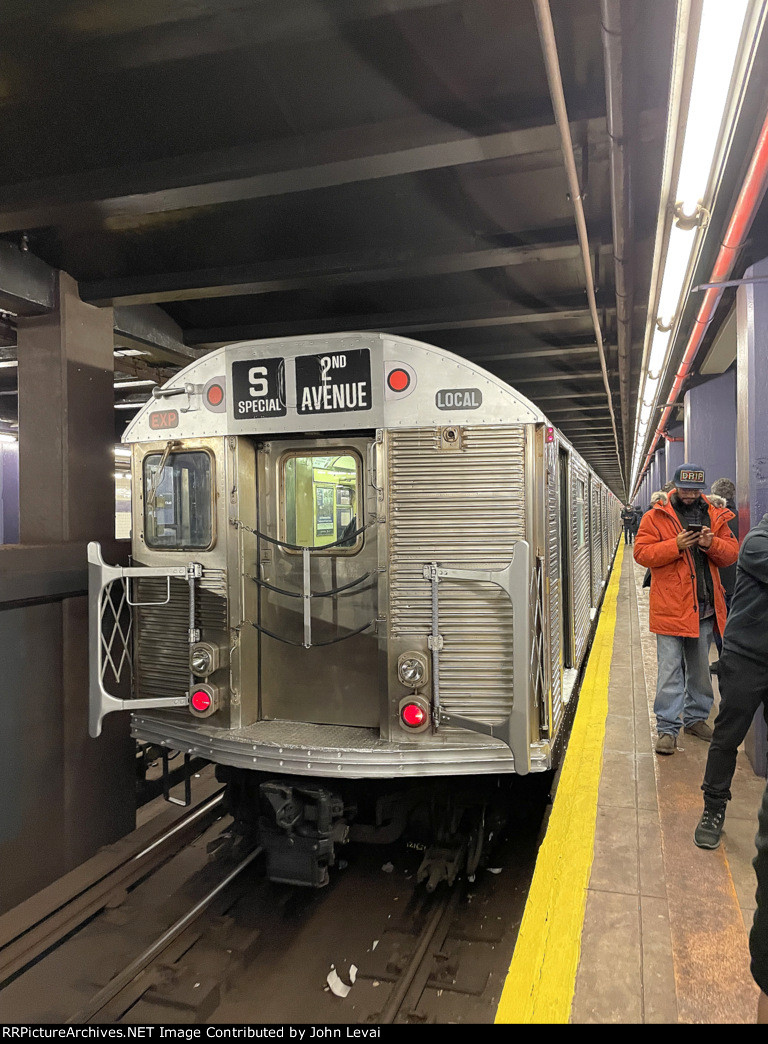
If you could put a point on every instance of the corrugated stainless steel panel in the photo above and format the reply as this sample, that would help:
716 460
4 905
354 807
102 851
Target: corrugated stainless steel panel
553 576
464 509
580 555
161 631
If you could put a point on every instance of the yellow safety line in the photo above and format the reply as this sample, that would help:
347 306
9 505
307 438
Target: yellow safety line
542 976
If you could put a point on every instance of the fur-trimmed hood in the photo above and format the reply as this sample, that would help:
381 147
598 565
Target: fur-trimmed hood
660 497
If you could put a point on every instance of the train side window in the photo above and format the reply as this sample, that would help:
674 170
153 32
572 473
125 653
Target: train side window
178 502
320 500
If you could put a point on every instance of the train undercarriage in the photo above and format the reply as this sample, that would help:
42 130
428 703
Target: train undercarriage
303 824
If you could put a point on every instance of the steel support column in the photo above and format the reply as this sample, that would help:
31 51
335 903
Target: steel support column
752 439
710 427
656 471
674 451
65 795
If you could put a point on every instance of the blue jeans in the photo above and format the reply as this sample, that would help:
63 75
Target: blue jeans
683 686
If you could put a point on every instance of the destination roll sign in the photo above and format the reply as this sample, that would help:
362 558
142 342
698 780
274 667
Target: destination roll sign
258 388
337 382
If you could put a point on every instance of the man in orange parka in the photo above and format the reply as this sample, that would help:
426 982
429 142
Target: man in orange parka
683 542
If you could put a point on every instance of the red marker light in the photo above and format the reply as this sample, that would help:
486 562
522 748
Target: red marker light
215 395
413 715
398 380
550 435
201 700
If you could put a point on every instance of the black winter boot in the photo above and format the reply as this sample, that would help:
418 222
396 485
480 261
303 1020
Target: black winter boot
710 826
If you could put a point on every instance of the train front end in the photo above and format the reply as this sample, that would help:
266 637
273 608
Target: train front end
339 577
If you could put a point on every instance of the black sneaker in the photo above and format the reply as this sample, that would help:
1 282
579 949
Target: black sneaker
707 834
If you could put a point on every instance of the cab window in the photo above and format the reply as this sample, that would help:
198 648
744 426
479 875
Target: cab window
320 500
178 501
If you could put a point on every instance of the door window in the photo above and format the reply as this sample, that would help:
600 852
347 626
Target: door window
321 500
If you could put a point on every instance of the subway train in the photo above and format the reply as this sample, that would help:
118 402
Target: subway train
364 574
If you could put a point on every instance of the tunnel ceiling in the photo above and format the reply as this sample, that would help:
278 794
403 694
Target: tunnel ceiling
286 167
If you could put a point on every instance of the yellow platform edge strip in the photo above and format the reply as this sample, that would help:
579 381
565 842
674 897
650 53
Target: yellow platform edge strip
541 980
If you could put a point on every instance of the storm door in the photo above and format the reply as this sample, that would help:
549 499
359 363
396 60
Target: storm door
317 582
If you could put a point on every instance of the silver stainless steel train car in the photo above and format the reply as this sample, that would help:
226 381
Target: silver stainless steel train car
364 575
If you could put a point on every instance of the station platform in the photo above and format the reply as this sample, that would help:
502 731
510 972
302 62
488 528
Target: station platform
627 921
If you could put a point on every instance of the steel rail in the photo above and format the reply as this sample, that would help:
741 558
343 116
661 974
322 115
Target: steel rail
48 930
440 916
129 973
552 64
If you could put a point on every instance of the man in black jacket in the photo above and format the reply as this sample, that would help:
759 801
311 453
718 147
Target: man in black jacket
742 672
758 937
724 488
628 521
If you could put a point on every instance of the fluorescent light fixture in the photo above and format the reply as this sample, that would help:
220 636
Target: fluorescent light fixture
135 384
129 351
123 452
717 50
129 405
681 243
8 364
651 387
719 35
6 436
658 353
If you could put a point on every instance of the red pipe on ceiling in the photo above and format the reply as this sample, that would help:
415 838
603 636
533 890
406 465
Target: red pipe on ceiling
750 197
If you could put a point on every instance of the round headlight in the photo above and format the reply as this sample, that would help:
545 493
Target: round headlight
411 671
201 661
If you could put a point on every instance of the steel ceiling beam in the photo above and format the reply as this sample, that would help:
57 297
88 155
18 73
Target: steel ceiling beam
315 273
511 355
301 164
570 410
565 378
406 322
27 284
147 326
575 395
229 26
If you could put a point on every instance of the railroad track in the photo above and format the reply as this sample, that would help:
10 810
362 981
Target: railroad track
41 924
408 989
109 995
240 948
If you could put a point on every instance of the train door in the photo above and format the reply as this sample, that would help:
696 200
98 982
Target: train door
566 587
317 582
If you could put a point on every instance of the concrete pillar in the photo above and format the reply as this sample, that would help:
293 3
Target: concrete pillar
710 427
674 452
752 439
73 794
